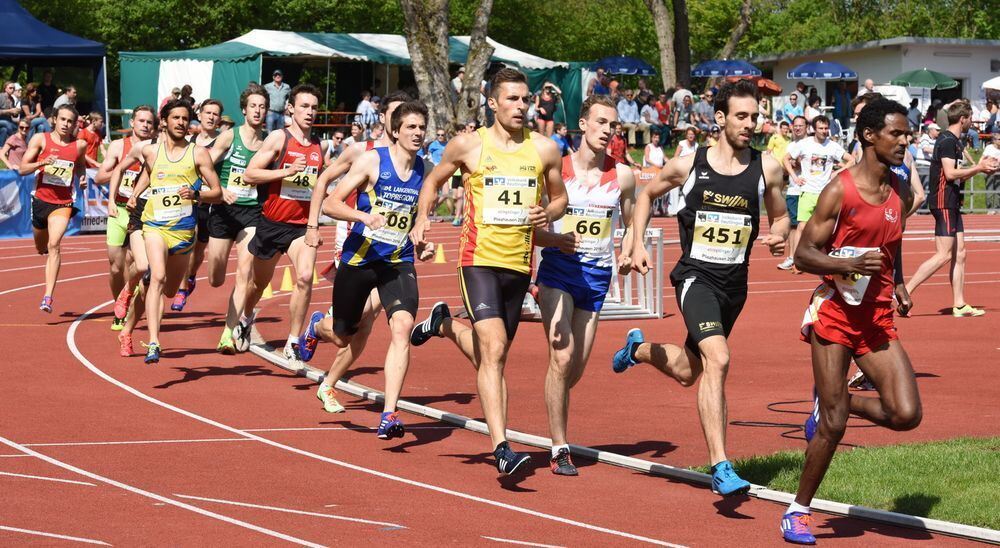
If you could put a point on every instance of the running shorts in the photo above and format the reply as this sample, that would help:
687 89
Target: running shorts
586 284
397 289
707 310
178 242
456 181
806 206
135 218
227 221
40 211
117 226
862 328
203 213
493 292
792 203
272 237
947 222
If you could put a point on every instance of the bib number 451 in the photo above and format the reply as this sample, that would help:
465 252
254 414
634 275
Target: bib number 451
723 235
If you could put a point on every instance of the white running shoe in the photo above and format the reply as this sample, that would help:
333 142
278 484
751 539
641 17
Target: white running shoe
787 264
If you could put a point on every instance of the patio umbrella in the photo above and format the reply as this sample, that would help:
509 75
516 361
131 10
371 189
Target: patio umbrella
724 67
993 83
924 78
766 86
620 64
822 70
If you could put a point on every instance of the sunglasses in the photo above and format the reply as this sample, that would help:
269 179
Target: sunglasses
25 128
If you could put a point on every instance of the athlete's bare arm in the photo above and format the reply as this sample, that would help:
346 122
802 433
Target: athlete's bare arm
134 155
31 161
952 172
148 155
333 172
789 166
459 153
363 171
222 144
672 175
774 203
206 169
626 202
258 172
810 255
82 161
111 159
554 187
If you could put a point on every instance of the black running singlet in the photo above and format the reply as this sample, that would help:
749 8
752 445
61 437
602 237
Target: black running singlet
719 223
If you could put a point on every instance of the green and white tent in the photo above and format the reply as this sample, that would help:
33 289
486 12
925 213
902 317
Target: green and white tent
222 71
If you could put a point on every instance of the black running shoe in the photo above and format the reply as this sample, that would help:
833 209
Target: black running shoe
431 327
509 461
562 464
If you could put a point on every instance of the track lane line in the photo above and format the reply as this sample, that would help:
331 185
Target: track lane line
46 478
293 511
52 535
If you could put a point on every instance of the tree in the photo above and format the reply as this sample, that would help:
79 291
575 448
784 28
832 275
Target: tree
480 52
682 42
427 41
738 31
664 25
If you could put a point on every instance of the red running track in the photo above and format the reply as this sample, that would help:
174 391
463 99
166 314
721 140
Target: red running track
206 448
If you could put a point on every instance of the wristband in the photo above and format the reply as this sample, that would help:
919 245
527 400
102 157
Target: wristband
312 226
197 195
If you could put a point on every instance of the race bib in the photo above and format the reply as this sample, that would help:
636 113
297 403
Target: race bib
58 173
299 186
852 287
720 238
506 200
236 185
398 221
593 224
129 178
168 205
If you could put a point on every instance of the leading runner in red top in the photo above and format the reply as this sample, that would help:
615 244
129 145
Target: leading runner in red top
853 241
59 159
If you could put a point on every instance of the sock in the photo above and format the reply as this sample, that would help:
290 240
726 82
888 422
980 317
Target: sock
632 349
292 339
796 507
556 448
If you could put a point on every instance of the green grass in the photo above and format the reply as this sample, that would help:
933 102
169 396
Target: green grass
955 480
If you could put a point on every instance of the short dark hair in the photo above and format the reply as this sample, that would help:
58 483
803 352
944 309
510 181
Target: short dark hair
957 110
803 119
70 108
783 123
254 89
820 119
397 96
305 88
176 103
409 107
866 98
149 109
210 102
506 75
596 100
873 116
739 88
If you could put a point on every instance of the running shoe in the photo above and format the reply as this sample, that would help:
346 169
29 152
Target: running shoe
180 300
117 324
326 394
291 352
812 423
125 345
508 461
431 327
46 305
725 482
795 528
562 464
309 340
967 310
457 221
152 352
390 426
122 302
241 335
623 358
860 382
787 264
192 282
226 345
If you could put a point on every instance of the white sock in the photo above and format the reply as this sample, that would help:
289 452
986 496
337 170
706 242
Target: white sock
292 339
556 448
796 507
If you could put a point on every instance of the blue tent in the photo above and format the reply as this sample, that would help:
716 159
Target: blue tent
29 43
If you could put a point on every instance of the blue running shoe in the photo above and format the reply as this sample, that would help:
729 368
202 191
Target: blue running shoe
308 340
508 461
725 482
795 528
152 353
812 423
390 426
623 358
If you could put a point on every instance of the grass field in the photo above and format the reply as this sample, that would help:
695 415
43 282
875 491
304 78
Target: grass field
955 480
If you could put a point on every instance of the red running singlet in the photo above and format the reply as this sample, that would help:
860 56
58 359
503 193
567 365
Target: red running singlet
288 199
54 182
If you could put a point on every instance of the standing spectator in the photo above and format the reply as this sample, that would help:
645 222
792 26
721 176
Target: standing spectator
678 96
642 91
598 85
792 108
545 108
226 123
13 150
913 115
8 111
800 93
777 145
663 109
869 88
927 140
436 147
992 124
684 114
617 145
613 90
187 95
67 98
277 92
32 110
841 103
366 111
628 115
175 93
48 90
456 82
563 140
704 111
812 108
92 135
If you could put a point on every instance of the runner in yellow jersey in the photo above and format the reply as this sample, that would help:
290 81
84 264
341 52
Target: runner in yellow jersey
509 166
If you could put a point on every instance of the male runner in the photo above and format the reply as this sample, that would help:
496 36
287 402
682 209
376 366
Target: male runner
722 187
348 354
792 193
508 166
209 117
378 255
59 159
143 125
236 222
171 170
288 163
945 202
853 241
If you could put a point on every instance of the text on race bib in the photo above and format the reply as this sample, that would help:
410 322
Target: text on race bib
720 238
506 200
299 185
59 173
236 185
168 205
398 221
593 224
852 287
129 178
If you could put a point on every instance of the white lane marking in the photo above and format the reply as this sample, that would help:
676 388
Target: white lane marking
130 442
46 478
22 455
52 535
154 496
61 253
520 542
32 286
291 511
71 342
60 265
353 428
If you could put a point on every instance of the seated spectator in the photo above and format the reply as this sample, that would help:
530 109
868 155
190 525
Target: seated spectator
704 111
792 108
376 132
8 110
367 114
812 109
598 85
436 147
713 136
32 110
13 149
357 134
684 114
652 156
174 94
777 145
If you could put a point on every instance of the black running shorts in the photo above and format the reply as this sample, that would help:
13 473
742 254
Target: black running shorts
134 220
203 212
40 211
397 289
492 292
707 310
947 222
272 238
228 220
